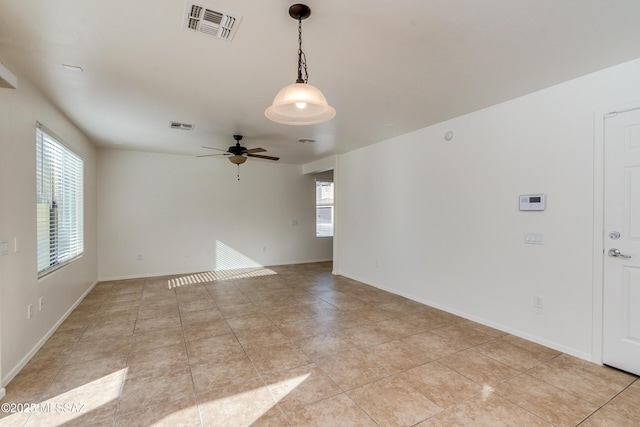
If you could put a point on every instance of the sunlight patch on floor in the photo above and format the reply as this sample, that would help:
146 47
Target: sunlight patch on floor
246 407
217 275
229 264
85 401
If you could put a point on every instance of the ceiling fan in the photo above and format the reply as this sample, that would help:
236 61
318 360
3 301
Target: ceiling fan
239 154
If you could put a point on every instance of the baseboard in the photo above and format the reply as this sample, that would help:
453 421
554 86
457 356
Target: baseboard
301 262
2 393
485 322
13 372
178 273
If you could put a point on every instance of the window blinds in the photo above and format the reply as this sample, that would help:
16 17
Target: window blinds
59 182
324 208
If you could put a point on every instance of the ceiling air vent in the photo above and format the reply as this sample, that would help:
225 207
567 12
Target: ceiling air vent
203 19
181 126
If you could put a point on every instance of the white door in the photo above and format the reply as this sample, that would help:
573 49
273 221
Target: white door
621 340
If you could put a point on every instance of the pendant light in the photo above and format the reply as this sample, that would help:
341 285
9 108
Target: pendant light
300 103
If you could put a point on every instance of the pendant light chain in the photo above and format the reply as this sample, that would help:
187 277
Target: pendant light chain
302 58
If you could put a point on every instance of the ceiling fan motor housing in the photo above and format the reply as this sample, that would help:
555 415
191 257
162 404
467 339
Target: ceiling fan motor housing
239 153
237 149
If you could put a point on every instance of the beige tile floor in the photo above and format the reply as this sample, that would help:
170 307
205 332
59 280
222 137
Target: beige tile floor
299 346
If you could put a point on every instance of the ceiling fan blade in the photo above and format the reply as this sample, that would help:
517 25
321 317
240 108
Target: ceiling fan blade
259 156
255 150
213 148
211 155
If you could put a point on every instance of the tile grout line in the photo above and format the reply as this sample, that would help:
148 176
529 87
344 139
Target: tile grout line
267 302
259 376
74 345
125 377
186 349
608 401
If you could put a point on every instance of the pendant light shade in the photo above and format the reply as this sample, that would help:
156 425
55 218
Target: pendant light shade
300 103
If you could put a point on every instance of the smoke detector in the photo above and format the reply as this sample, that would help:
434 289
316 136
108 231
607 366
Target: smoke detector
215 23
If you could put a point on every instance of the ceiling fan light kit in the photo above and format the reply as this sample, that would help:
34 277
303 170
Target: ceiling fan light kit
239 154
300 103
237 159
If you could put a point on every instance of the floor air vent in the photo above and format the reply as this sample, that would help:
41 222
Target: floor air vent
198 17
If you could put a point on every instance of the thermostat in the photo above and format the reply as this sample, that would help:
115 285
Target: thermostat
532 202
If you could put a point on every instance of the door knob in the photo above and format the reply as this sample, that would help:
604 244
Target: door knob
617 254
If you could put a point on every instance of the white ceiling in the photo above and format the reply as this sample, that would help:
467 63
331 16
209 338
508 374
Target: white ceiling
387 67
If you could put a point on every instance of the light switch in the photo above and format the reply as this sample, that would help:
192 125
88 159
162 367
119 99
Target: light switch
4 247
533 238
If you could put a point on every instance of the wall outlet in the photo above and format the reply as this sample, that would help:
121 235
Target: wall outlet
40 303
29 311
538 302
139 257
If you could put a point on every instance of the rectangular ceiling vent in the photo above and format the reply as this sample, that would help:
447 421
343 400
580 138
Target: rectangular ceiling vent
181 126
219 24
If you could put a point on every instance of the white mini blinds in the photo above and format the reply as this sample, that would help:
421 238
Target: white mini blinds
60 222
324 208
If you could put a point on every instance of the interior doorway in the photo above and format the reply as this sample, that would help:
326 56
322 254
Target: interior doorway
325 209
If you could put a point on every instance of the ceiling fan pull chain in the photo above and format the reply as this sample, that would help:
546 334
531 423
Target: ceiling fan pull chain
238 172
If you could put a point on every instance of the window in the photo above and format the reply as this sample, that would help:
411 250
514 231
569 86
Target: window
324 209
59 182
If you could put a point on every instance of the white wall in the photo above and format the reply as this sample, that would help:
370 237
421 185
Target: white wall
439 222
186 214
321 165
19 284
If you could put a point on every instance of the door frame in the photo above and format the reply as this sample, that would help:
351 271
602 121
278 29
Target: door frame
598 224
